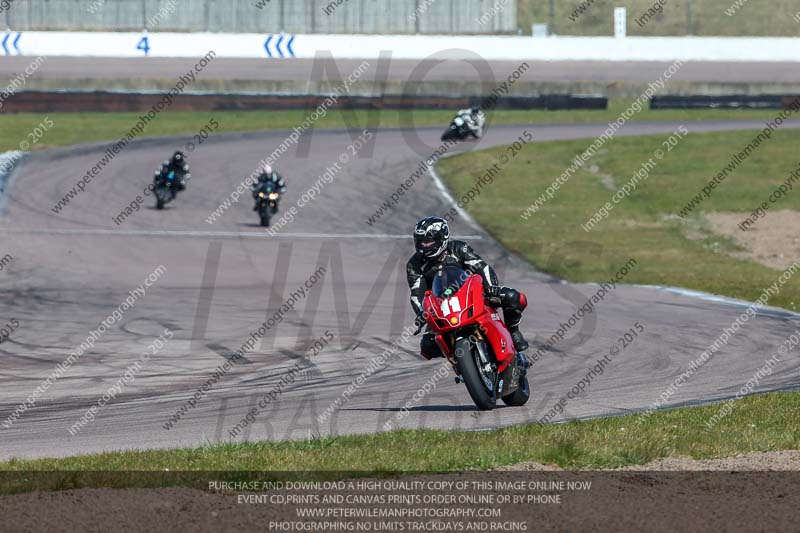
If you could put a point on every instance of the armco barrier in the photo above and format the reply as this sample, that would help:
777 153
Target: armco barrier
255 45
108 101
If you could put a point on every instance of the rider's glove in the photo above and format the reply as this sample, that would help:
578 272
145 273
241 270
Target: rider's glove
494 291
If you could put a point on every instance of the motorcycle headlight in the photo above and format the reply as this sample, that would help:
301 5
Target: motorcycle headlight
459 121
273 196
261 195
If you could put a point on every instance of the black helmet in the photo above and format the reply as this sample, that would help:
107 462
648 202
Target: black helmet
475 109
178 156
431 236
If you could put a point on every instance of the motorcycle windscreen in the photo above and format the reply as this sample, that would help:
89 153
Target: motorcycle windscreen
448 281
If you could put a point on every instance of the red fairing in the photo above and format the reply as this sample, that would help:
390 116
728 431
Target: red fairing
452 313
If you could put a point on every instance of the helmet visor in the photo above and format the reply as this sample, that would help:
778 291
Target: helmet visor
429 245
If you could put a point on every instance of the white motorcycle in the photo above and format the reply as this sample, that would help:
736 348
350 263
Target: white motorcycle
464 124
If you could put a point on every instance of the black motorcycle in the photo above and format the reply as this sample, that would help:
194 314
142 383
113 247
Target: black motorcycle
267 202
167 185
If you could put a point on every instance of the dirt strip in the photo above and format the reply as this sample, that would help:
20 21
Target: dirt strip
727 495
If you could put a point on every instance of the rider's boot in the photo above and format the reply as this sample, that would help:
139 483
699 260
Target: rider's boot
519 341
514 303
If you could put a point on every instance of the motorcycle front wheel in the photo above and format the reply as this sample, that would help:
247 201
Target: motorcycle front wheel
480 381
521 395
161 197
264 213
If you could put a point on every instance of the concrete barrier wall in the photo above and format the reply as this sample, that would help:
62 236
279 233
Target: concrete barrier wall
410 47
262 16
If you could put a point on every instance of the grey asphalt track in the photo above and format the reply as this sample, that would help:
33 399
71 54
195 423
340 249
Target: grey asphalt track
405 70
71 270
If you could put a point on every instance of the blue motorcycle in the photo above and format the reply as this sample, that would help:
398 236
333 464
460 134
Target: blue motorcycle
167 185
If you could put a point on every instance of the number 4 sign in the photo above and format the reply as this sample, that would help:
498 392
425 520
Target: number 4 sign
144 45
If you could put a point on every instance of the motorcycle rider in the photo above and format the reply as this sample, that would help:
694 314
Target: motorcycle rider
268 176
475 118
177 164
433 247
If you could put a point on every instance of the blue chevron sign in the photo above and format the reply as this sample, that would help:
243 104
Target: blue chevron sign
282 46
14 43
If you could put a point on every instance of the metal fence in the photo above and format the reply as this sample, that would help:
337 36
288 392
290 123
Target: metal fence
265 16
664 17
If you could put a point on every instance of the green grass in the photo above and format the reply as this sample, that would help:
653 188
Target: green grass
643 226
708 17
74 128
764 422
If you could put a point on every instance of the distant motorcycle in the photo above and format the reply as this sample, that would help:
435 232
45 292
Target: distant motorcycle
460 129
475 340
267 203
167 185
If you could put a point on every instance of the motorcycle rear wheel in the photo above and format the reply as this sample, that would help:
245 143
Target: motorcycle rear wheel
468 359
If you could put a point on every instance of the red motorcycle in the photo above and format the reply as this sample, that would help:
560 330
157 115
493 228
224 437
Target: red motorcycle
475 340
